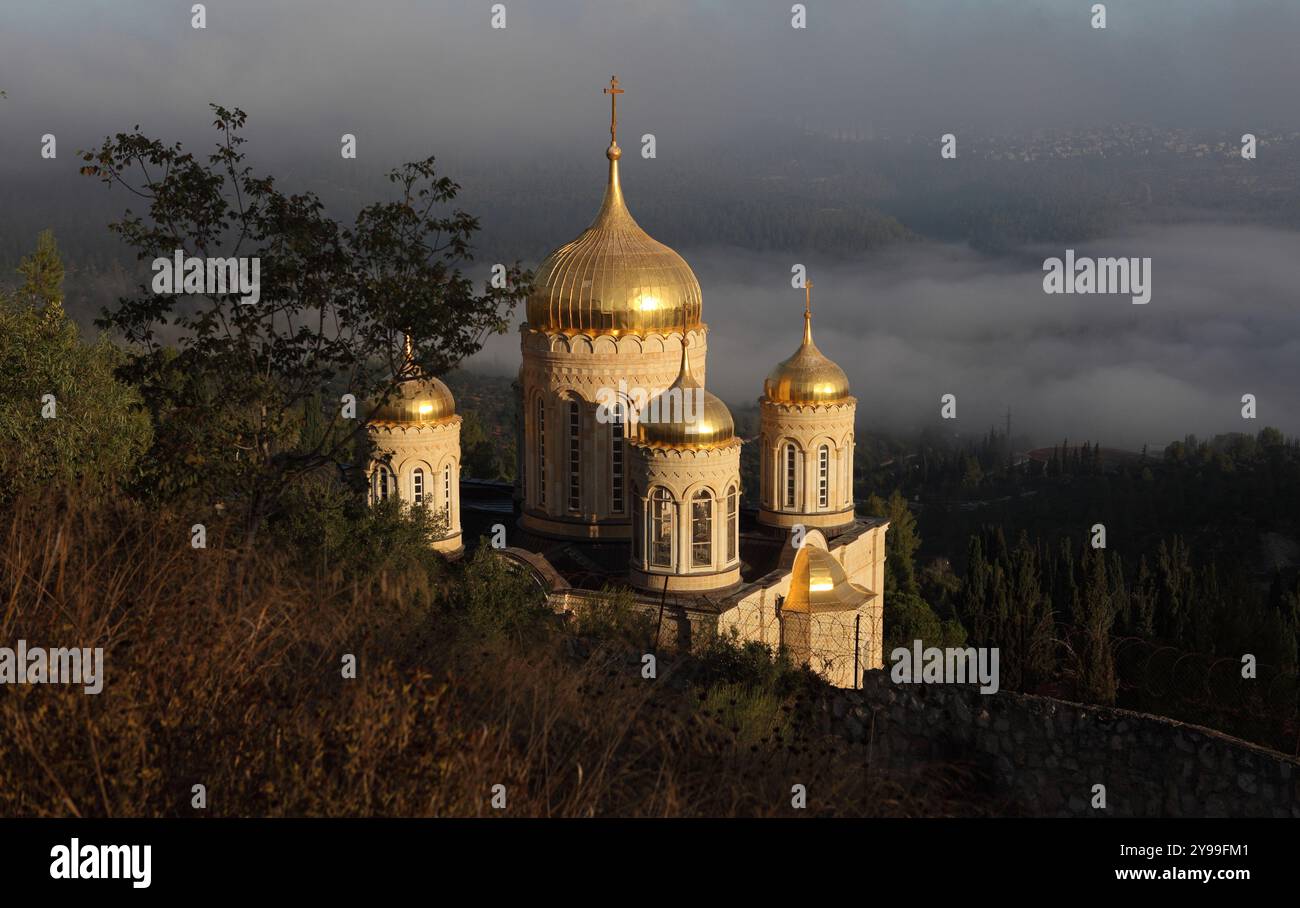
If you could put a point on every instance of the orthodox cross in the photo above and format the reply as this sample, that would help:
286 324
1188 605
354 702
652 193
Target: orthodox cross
613 91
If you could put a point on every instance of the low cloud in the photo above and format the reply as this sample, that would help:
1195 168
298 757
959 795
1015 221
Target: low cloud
912 324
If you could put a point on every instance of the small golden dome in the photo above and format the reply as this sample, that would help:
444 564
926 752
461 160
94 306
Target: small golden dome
417 401
818 583
685 415
614 277
808 377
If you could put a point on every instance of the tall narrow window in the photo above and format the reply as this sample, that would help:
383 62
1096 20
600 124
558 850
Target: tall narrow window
417 486
823 476
446 488
733 530
789 475
638 527
575 456
702 529
616 435
661 528
541 452
846 470
381 484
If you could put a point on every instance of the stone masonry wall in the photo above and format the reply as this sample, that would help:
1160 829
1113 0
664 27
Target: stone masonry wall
1046 755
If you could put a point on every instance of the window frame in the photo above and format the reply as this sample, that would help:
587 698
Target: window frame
702 529
824 476
574 501
661 531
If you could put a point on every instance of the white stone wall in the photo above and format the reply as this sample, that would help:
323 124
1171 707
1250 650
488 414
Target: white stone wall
560 367
684 472
830 636
808 427
429 447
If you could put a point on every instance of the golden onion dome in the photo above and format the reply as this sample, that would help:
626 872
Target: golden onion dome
614 277
417 401
685 415
808 377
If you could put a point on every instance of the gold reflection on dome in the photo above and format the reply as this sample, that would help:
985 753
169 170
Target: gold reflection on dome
614 278
417 401
808 377
818 583
685 415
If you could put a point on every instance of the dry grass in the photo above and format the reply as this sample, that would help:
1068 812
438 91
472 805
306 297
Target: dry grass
224 668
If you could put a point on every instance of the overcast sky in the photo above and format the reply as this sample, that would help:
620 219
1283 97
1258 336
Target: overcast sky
413 76
405 75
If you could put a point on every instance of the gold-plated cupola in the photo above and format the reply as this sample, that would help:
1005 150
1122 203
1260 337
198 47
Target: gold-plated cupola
614 278
685 415
808 377
418 399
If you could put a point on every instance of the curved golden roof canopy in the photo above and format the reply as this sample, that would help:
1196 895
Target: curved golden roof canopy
417 401
685 415
818 583
614 277
808 377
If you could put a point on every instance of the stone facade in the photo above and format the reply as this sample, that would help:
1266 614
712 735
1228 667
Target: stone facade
686 513
420 463
794 439
838 645
561 370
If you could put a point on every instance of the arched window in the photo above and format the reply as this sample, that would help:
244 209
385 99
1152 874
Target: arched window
638 526
661 528
790 469
417 486
702 529
823 476
446 488
575 456
616 436
382 484
733 528
846 472
541 451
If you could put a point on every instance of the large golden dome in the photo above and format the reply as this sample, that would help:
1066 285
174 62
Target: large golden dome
808 377
614 277
417 401
685 415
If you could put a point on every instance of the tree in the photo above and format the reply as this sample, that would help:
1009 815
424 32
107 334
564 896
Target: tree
1094 658
42 273
478 458
92 428
901 543
335 307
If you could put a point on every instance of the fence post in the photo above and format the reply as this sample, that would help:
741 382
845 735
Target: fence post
857 626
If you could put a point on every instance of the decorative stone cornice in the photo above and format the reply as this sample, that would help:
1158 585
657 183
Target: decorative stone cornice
720 452
416 430
846 406
560 343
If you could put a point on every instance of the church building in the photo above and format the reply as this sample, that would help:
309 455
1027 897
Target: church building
629 469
